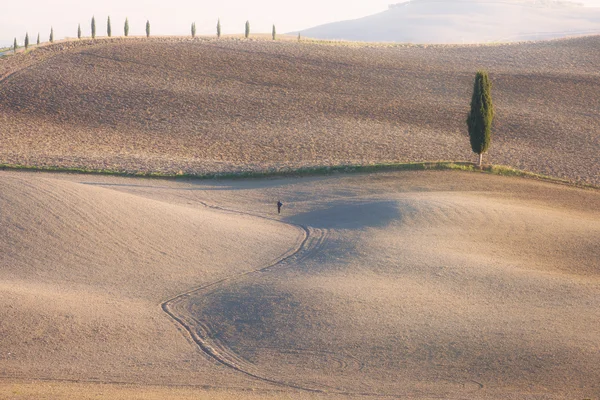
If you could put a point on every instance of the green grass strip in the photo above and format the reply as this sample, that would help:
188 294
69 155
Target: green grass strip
308 171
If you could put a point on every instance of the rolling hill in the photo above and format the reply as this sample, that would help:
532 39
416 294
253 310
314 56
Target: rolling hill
428 284
465 21
423 284
83 269
199 106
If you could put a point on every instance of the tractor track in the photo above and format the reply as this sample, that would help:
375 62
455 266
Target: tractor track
202 340
201 333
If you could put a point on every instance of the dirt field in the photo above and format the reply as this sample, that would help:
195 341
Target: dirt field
412 285
202 106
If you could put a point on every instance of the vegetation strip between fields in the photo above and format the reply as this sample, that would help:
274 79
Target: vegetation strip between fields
308 171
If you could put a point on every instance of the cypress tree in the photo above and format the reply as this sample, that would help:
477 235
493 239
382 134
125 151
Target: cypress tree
26 40
298 36
126 27
147 28
108 28
51 35
93 28
38 39
481 116
193 29
79 31
274 33
15 46
219 28
247 31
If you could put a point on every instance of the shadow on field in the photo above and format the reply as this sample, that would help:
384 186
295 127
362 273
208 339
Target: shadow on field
253 313
344 215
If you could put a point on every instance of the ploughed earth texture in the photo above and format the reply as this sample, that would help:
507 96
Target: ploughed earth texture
209 106
424 285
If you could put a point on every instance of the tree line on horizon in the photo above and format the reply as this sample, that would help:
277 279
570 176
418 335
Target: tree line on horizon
15 45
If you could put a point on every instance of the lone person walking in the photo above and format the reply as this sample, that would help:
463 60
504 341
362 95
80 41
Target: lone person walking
279 204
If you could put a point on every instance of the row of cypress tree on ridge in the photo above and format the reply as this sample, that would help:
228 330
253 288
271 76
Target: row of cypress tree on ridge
15 45
126 32
109 28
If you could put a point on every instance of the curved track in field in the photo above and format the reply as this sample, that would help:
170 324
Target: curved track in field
202 333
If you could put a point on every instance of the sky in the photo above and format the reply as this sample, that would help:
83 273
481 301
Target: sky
174 17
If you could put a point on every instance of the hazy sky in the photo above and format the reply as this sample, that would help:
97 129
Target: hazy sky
174 17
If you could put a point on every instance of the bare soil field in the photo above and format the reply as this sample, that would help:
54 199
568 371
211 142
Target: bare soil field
206 106
416 285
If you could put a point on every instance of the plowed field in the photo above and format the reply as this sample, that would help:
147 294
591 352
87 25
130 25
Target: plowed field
417 285
205 106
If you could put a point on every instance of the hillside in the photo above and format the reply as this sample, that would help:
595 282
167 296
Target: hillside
212 106
83 269
465 21
419 285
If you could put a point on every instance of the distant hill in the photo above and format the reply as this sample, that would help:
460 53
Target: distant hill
466 21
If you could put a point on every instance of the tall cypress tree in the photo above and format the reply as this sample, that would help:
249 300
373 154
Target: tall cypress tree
147 28
247 31
26 40
126 27
274 33
108 27
15 46
193 29
51 35
219 28
93 28
481 116
79 31
38 39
